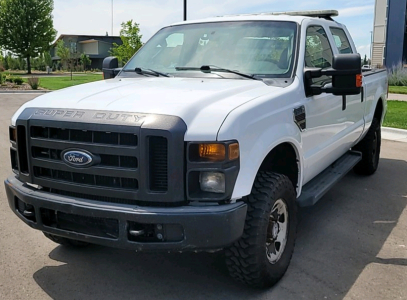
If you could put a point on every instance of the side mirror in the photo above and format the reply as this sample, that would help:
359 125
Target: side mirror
346 75
110 67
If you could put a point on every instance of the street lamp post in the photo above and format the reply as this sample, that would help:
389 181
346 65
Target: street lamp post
112 17
371 48
185 10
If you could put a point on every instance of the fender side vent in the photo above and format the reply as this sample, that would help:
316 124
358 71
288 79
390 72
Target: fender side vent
300 117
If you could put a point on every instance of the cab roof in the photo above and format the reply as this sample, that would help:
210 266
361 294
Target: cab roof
293 16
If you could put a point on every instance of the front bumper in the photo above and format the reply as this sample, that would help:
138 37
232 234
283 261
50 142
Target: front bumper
180 228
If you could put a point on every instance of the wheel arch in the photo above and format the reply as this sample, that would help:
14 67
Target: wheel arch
379 112
284 159
257 155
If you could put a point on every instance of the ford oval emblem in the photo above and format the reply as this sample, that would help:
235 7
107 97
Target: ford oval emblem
77 158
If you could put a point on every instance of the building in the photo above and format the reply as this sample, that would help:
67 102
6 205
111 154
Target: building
96 46
390 34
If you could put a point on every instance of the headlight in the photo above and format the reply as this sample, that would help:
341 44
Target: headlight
213 152
213 182
212 170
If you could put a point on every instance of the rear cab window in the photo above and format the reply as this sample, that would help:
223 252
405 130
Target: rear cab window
341 40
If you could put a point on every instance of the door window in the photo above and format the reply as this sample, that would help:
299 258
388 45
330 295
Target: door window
318 52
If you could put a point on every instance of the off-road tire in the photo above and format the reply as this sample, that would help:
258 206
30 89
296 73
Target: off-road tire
370 148
65 241
246 259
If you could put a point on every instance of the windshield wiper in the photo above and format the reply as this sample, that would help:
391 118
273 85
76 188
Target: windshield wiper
143 71
209 68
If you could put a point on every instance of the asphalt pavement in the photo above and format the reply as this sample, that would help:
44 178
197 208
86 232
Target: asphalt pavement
351 245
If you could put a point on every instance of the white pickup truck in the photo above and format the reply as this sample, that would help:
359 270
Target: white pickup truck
209 138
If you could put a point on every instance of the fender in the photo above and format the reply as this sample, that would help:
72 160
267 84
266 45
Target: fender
372 102
253 155
256 143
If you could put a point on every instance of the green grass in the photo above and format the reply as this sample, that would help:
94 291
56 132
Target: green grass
57 83
15 73
398 89
396 114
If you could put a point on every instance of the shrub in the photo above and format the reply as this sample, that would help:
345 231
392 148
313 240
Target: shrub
18 80
1 78
34 82
398 75
9 78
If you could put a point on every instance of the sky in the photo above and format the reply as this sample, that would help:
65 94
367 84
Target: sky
94 17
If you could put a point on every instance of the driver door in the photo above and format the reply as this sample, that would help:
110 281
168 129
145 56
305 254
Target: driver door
327 122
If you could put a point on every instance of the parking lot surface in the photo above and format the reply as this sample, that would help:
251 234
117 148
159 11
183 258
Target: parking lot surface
351 245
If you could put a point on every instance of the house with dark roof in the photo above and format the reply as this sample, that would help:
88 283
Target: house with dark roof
96 46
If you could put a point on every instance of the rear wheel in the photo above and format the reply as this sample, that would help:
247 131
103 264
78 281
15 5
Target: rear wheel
65 241
370 148
262 255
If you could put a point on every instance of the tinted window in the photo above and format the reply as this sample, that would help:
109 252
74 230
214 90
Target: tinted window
341 41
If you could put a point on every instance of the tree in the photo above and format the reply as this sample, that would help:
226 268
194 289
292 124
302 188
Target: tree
365 60
131 38
47 59
26 27
69 58
85 61
63 53
2 62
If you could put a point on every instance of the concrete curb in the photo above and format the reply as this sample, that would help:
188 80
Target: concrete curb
397 97
394 134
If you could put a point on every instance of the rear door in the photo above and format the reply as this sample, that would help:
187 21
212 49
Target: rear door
354 104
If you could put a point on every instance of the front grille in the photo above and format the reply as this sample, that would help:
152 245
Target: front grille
22 149
120 161
115 150
84 136
158 164
136 159
86 179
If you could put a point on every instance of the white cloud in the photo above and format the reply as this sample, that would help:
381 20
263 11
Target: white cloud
364 50
356 11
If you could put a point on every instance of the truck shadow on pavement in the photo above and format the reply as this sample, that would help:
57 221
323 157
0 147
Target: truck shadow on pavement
337 239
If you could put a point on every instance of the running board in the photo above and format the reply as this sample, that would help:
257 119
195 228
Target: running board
317 187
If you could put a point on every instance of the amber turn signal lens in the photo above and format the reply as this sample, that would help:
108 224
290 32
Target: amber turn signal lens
359 80
212 152
13 134
233 151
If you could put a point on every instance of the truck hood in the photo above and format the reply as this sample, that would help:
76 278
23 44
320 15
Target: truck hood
202 103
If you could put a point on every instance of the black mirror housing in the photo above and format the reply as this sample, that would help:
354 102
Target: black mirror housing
347 83
347 62
346 75
110 67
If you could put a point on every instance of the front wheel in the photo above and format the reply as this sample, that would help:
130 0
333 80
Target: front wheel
370 148
262 255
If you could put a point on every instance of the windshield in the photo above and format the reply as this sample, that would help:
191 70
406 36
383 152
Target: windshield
258 48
